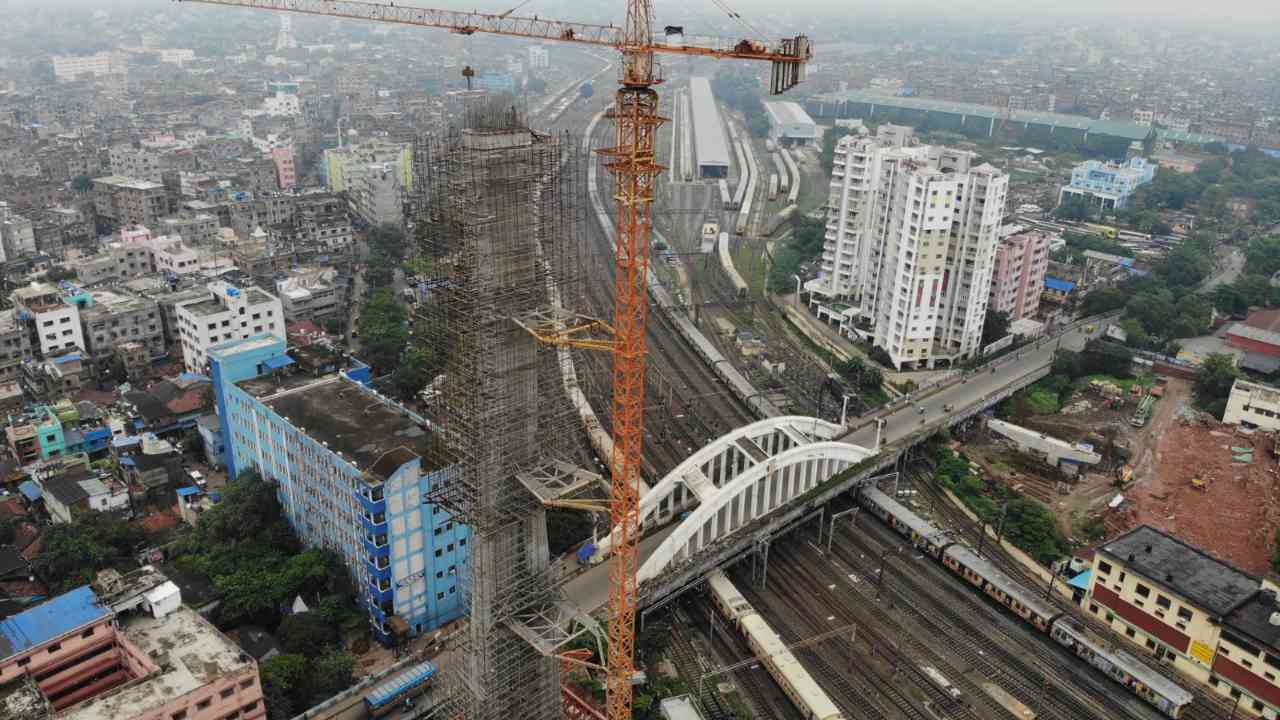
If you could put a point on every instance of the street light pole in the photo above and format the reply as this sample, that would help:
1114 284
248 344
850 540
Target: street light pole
797 277
844 410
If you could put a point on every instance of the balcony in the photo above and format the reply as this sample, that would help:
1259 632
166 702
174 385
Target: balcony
374 523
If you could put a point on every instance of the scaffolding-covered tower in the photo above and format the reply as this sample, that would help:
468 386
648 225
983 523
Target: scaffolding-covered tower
499 224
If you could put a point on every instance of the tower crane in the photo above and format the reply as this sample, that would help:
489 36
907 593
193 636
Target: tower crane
633 163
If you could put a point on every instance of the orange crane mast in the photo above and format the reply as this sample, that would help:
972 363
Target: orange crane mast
632 160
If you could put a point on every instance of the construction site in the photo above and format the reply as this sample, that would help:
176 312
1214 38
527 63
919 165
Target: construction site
1160 462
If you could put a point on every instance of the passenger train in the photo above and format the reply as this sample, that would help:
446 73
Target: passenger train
803 691
1166 695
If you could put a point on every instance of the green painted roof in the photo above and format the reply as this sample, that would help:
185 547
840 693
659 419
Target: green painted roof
1188 137
1114 128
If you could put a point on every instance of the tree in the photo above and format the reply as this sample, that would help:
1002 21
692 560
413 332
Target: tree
73 553
414 372
1185 266
308 634
384 330
995 326
8 530
284 679
330 675
1074 207
1263 255
1213 381
1135 334
1103 301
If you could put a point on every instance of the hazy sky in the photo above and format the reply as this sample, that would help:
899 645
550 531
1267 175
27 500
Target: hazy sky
1218 13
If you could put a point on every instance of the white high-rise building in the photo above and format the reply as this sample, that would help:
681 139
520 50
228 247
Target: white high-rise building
228 313
67 68
910 245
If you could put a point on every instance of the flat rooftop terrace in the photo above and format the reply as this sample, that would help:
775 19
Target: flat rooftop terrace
191 652
205 308
350 419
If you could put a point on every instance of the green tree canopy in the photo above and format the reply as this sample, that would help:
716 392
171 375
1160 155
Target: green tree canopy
995 326
1213 381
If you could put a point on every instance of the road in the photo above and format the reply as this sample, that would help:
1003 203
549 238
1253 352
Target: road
902 420
1231 267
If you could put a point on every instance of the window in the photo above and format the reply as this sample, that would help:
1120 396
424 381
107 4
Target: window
1257 706
87 633
55 648
439 552
226 692
439 596
1130 632
203 704
439 574
1184 614
24 662
450 548
1151 644
251 706
246 683
1142 590
180 715
1162 601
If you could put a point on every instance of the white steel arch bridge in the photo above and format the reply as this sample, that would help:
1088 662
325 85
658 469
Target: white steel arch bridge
738 478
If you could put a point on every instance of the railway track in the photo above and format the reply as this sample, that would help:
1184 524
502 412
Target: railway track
767 699
793 598
1035 669
1207 706
697 406
688 661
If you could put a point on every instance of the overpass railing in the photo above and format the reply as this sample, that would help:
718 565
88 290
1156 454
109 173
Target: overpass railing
957 376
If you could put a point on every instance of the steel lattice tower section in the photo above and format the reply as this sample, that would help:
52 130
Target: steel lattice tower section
500 225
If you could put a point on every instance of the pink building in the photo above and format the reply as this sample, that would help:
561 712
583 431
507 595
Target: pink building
135 652
1018 277
285 173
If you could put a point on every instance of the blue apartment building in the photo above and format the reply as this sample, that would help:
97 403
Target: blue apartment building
1108 185
353 470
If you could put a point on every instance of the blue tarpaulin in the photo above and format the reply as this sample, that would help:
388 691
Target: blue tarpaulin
188 491
193 377
127 461
1054 283
387 692
278 362
67 358
30 490
125 440
1082 580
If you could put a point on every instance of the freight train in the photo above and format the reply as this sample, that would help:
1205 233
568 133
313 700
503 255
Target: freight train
803 691
1166 695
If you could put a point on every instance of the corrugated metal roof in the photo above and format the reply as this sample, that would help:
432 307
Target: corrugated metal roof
50 620
393 688
785 111
708 133
278 362
1114 128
